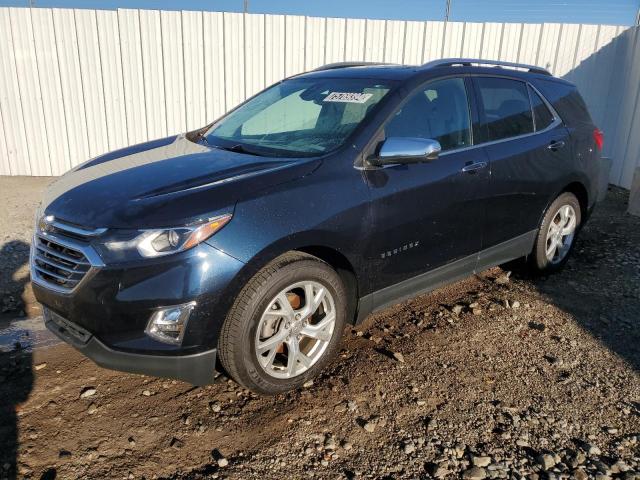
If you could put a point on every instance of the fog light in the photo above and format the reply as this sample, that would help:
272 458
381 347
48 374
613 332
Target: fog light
168 324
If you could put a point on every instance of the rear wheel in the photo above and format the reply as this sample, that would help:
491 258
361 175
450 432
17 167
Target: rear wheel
557 234
285 325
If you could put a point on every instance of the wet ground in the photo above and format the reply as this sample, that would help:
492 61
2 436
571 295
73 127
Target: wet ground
25 333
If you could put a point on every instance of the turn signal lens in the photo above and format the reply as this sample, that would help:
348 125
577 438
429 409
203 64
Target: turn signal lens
204 231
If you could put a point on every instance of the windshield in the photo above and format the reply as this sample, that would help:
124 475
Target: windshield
298 117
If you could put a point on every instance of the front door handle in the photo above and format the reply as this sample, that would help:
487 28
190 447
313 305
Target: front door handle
556 145
474 167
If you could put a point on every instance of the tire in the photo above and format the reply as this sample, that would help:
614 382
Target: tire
540 260
255 322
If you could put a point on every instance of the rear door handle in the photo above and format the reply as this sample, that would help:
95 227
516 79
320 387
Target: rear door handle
474 167
556 145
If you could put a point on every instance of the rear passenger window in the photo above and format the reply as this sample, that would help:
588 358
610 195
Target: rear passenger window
506 105
439 112
541 113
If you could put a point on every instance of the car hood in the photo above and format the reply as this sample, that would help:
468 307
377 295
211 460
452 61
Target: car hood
167 182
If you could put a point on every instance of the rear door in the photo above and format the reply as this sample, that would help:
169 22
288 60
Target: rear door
530 153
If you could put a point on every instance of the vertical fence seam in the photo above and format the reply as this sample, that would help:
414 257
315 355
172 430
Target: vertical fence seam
6 144
44 123
15 64
124 85
64 103
84 100
104 95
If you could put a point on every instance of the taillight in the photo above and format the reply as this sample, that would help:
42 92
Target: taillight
598 137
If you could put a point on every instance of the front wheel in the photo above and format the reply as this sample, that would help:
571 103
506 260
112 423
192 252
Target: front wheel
285 325
557 234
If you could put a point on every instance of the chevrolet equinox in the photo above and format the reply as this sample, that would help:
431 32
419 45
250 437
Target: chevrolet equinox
248 245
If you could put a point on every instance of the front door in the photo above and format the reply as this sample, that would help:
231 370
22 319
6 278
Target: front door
427 215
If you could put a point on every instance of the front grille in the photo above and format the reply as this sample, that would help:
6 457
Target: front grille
57 264
61 256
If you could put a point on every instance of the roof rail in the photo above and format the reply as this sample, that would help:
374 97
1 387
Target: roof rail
467 62
333 66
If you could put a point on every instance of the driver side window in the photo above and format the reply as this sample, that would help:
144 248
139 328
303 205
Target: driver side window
438 112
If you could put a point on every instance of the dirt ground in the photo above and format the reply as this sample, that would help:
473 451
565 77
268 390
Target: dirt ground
496 376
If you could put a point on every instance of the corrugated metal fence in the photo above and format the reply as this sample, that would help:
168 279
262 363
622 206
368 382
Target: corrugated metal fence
78 83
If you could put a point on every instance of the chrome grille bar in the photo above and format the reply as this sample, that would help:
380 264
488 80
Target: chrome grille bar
61 257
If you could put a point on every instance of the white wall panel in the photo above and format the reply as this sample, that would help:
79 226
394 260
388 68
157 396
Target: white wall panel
375 40
5 168
30 93
335 40
112 78
52 102
433 39
274 48
315 42
620 54
454 31
294 44
530 43
394 45
214 60
133 76
549 44
153 73
91 77
356 39
472 44
414 43
193 51
85 82
173 61
567 49
72 87
510 47
626 101
255 53
10 104
492 41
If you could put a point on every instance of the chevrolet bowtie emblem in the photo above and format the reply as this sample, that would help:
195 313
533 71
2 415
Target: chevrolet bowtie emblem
45 223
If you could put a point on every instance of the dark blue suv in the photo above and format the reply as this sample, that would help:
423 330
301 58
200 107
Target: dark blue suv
249 244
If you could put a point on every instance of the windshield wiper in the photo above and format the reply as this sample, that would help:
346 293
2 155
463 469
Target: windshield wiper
238 148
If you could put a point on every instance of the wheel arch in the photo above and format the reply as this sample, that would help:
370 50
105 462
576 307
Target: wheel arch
341 264
347 268
579 190
581 193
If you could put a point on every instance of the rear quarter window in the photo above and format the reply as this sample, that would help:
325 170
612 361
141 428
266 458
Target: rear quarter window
567 101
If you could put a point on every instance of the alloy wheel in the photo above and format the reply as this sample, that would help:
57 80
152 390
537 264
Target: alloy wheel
295 329
561 233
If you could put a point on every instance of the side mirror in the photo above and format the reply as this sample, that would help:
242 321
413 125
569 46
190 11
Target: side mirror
407 150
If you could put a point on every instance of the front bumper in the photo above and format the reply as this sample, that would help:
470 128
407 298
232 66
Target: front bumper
106 315
197 369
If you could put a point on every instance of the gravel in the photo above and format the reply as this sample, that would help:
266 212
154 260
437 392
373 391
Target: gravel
503 376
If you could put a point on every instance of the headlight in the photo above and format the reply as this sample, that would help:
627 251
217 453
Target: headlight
165 241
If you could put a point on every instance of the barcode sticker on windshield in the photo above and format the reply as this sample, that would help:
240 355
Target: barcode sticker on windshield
348 97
